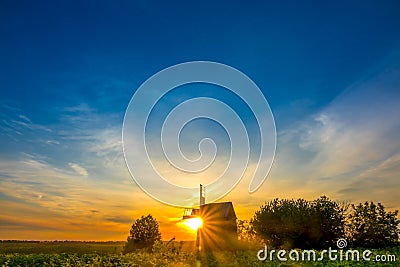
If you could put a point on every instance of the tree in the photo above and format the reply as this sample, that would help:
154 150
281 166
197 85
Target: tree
331 219
245 231
300 223
143 234
283 222
370 226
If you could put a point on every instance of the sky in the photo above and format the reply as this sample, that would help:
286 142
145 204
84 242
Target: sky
68 69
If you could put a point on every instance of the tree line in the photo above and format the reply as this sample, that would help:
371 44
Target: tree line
320 223
290 223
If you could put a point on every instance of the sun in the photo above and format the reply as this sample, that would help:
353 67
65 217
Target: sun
193 223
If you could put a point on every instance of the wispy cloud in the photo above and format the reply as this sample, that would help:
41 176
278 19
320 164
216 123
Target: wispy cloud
61 200
78 169
17 126
332 151
347 150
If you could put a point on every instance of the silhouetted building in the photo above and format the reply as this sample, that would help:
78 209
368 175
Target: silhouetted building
219 230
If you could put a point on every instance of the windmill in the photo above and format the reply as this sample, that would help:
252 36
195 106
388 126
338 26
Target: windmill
193 215
215 224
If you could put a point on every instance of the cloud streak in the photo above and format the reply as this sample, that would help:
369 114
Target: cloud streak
79 169
347 150
332 151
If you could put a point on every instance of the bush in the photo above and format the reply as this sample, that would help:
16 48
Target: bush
370 226
143 234
300 223
330 218
245 231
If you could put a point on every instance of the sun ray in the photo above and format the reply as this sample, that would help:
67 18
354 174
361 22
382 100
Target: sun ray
193 223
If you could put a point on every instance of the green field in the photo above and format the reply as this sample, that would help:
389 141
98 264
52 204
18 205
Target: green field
70 253
74 247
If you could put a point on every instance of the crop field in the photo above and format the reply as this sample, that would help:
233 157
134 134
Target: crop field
163 254
37 247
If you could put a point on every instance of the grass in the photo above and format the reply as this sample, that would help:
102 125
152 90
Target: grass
69 253
54 247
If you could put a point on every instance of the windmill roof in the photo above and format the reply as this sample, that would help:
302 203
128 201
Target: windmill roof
219 210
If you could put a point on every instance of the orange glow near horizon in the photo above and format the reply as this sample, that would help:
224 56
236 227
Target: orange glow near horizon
193 223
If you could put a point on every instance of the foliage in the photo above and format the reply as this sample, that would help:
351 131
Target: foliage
371 226
51 247
248 258
330 218
245 231
290 223
178 254
163 254
135 259
247 238
172 253
143 234
283 222
300 223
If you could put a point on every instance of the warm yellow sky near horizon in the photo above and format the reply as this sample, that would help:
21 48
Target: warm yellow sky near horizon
111 218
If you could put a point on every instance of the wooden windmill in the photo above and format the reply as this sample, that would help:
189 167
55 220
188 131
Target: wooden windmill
217 229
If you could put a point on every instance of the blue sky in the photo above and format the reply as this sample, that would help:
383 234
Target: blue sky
330 73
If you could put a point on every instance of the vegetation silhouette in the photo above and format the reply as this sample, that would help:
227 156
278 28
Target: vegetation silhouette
318 224
370 226
143 234
280 223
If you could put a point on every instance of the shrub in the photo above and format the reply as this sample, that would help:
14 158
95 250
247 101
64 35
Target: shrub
143 234
300 223
370 226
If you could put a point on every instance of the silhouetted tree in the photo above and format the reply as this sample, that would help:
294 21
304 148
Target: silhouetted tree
143 234
331 220
370 226
283 222
300 223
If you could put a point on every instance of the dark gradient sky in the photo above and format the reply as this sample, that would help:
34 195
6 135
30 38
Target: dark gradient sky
65 51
